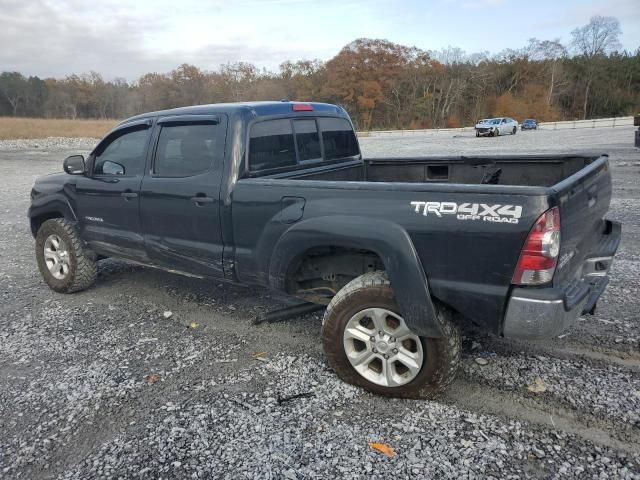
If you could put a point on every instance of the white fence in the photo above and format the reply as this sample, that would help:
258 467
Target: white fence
564 125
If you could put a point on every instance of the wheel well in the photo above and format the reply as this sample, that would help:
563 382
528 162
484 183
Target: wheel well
36 222
322 271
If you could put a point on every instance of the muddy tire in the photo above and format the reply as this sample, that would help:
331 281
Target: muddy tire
64 261
362 325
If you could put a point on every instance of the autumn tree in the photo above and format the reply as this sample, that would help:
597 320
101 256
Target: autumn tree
362 74
383 85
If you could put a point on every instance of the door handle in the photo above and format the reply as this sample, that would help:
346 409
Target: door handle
200 200
128 195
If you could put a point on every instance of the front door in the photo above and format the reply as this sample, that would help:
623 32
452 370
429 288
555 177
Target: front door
180 196
108 196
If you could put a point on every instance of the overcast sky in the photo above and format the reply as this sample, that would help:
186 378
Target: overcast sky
121 38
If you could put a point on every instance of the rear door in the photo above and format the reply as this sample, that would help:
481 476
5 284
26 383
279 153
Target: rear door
180 195
107 197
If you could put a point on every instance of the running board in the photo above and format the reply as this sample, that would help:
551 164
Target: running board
287 313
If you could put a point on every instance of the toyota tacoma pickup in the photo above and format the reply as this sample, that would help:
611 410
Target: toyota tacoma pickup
400 250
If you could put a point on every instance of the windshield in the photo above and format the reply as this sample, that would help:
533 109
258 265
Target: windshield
529 120
495 121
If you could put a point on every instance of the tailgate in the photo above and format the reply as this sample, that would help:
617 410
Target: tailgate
583 199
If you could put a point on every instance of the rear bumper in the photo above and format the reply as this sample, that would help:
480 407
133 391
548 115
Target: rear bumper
536 313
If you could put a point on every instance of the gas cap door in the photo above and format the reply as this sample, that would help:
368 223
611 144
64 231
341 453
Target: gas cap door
291 209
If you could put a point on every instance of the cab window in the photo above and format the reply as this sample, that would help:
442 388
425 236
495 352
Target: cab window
338 138
185 150
271 145
123 155
307 139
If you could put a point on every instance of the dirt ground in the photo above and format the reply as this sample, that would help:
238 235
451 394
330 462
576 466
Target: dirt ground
107 383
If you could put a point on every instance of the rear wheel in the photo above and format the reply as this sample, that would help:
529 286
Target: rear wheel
65 263
368 343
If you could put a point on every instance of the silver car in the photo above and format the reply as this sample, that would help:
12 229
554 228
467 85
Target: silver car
493 127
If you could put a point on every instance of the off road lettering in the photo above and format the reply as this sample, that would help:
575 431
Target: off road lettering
470 211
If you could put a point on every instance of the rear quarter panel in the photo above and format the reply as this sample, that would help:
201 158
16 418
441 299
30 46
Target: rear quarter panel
469 263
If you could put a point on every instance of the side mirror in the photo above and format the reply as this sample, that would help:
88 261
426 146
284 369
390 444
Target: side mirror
74 165
112 168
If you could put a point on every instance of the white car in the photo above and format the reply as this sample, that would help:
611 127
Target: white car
493 127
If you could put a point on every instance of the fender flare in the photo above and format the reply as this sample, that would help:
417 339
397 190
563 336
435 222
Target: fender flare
386 239
51 204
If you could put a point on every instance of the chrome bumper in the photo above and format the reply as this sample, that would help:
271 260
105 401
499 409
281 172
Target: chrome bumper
536 313
545 313
534 318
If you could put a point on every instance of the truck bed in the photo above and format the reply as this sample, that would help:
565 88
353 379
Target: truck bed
540 171
469 262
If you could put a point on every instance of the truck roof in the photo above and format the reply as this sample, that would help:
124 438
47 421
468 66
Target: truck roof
264 108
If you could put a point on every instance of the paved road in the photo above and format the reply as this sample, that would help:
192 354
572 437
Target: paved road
102 384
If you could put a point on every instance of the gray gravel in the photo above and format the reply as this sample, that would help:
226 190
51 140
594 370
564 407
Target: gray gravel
104 384
49 143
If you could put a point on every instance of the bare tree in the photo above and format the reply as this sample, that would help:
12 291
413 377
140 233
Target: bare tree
13 86
596 39
550 52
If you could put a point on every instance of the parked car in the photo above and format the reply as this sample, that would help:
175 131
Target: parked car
529 124
277 194
494 127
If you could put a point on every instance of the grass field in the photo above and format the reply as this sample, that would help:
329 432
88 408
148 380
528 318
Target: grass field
15 127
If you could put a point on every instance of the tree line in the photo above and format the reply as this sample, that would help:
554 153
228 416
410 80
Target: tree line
383 85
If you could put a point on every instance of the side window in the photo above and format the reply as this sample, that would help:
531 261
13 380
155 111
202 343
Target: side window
271 145
307 139
185 150
338 138
123 155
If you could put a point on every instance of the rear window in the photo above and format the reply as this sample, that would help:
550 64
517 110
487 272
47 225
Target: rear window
338 138
308 140
271 145
275 144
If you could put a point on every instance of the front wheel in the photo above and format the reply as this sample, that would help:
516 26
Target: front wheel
496 133
65 263
368 343
515 129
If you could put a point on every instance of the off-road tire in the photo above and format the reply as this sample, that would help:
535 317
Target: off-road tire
442 355
82 261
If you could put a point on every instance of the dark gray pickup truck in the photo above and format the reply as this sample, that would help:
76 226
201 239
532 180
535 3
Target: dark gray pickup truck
400 249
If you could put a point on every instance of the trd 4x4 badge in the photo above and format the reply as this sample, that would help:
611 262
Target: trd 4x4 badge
471 211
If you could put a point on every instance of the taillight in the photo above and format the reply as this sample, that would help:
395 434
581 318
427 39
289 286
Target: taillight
539 256
302 107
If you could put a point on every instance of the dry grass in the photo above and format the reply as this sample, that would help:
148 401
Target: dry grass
15 127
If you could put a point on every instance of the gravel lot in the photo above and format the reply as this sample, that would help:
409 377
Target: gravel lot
106 384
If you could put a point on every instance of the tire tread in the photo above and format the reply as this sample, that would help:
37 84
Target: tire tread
448 347
85 272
